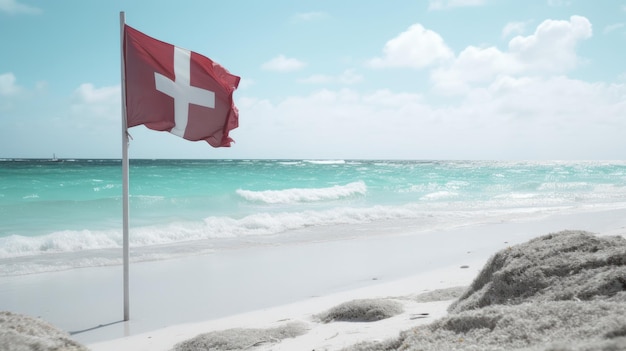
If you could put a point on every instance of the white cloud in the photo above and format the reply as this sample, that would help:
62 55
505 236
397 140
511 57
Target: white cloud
557 116
13 7
552 47
97 103
550 50
8 84
446 4
613 27
352 124
417 47
474 65
513 28
511 117
564 109
281 63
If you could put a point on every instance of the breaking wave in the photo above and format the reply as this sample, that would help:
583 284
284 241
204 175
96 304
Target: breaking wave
296 195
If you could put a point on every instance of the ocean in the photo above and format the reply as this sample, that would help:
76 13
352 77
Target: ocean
68 214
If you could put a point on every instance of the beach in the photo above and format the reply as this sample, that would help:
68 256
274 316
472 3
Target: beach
454 271
260 287
365 182
258 244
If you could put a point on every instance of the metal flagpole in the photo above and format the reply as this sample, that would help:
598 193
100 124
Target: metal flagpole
124 171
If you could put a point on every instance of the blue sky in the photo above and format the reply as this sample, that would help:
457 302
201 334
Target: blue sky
420 79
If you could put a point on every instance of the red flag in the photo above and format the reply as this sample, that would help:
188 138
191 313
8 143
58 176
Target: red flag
177 90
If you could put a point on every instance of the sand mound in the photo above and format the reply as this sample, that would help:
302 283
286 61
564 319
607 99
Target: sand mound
364 310
561 291
552 325
241 339
21 333
569 265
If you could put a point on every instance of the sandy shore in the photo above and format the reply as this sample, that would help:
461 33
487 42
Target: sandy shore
466 251
319 336
264 287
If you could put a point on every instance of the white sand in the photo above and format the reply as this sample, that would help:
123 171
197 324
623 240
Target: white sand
331 336
445 272
175 300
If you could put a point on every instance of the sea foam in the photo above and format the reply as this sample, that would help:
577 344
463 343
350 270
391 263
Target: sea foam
326 162
213 227
424 217
295 195
83 248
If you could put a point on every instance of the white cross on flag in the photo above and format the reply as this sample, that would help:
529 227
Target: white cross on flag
177 90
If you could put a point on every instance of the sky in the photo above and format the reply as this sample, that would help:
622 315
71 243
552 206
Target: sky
327 79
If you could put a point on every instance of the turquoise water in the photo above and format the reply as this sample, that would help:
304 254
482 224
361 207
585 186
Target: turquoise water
62 215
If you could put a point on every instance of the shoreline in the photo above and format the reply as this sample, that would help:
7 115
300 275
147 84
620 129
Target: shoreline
172 299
